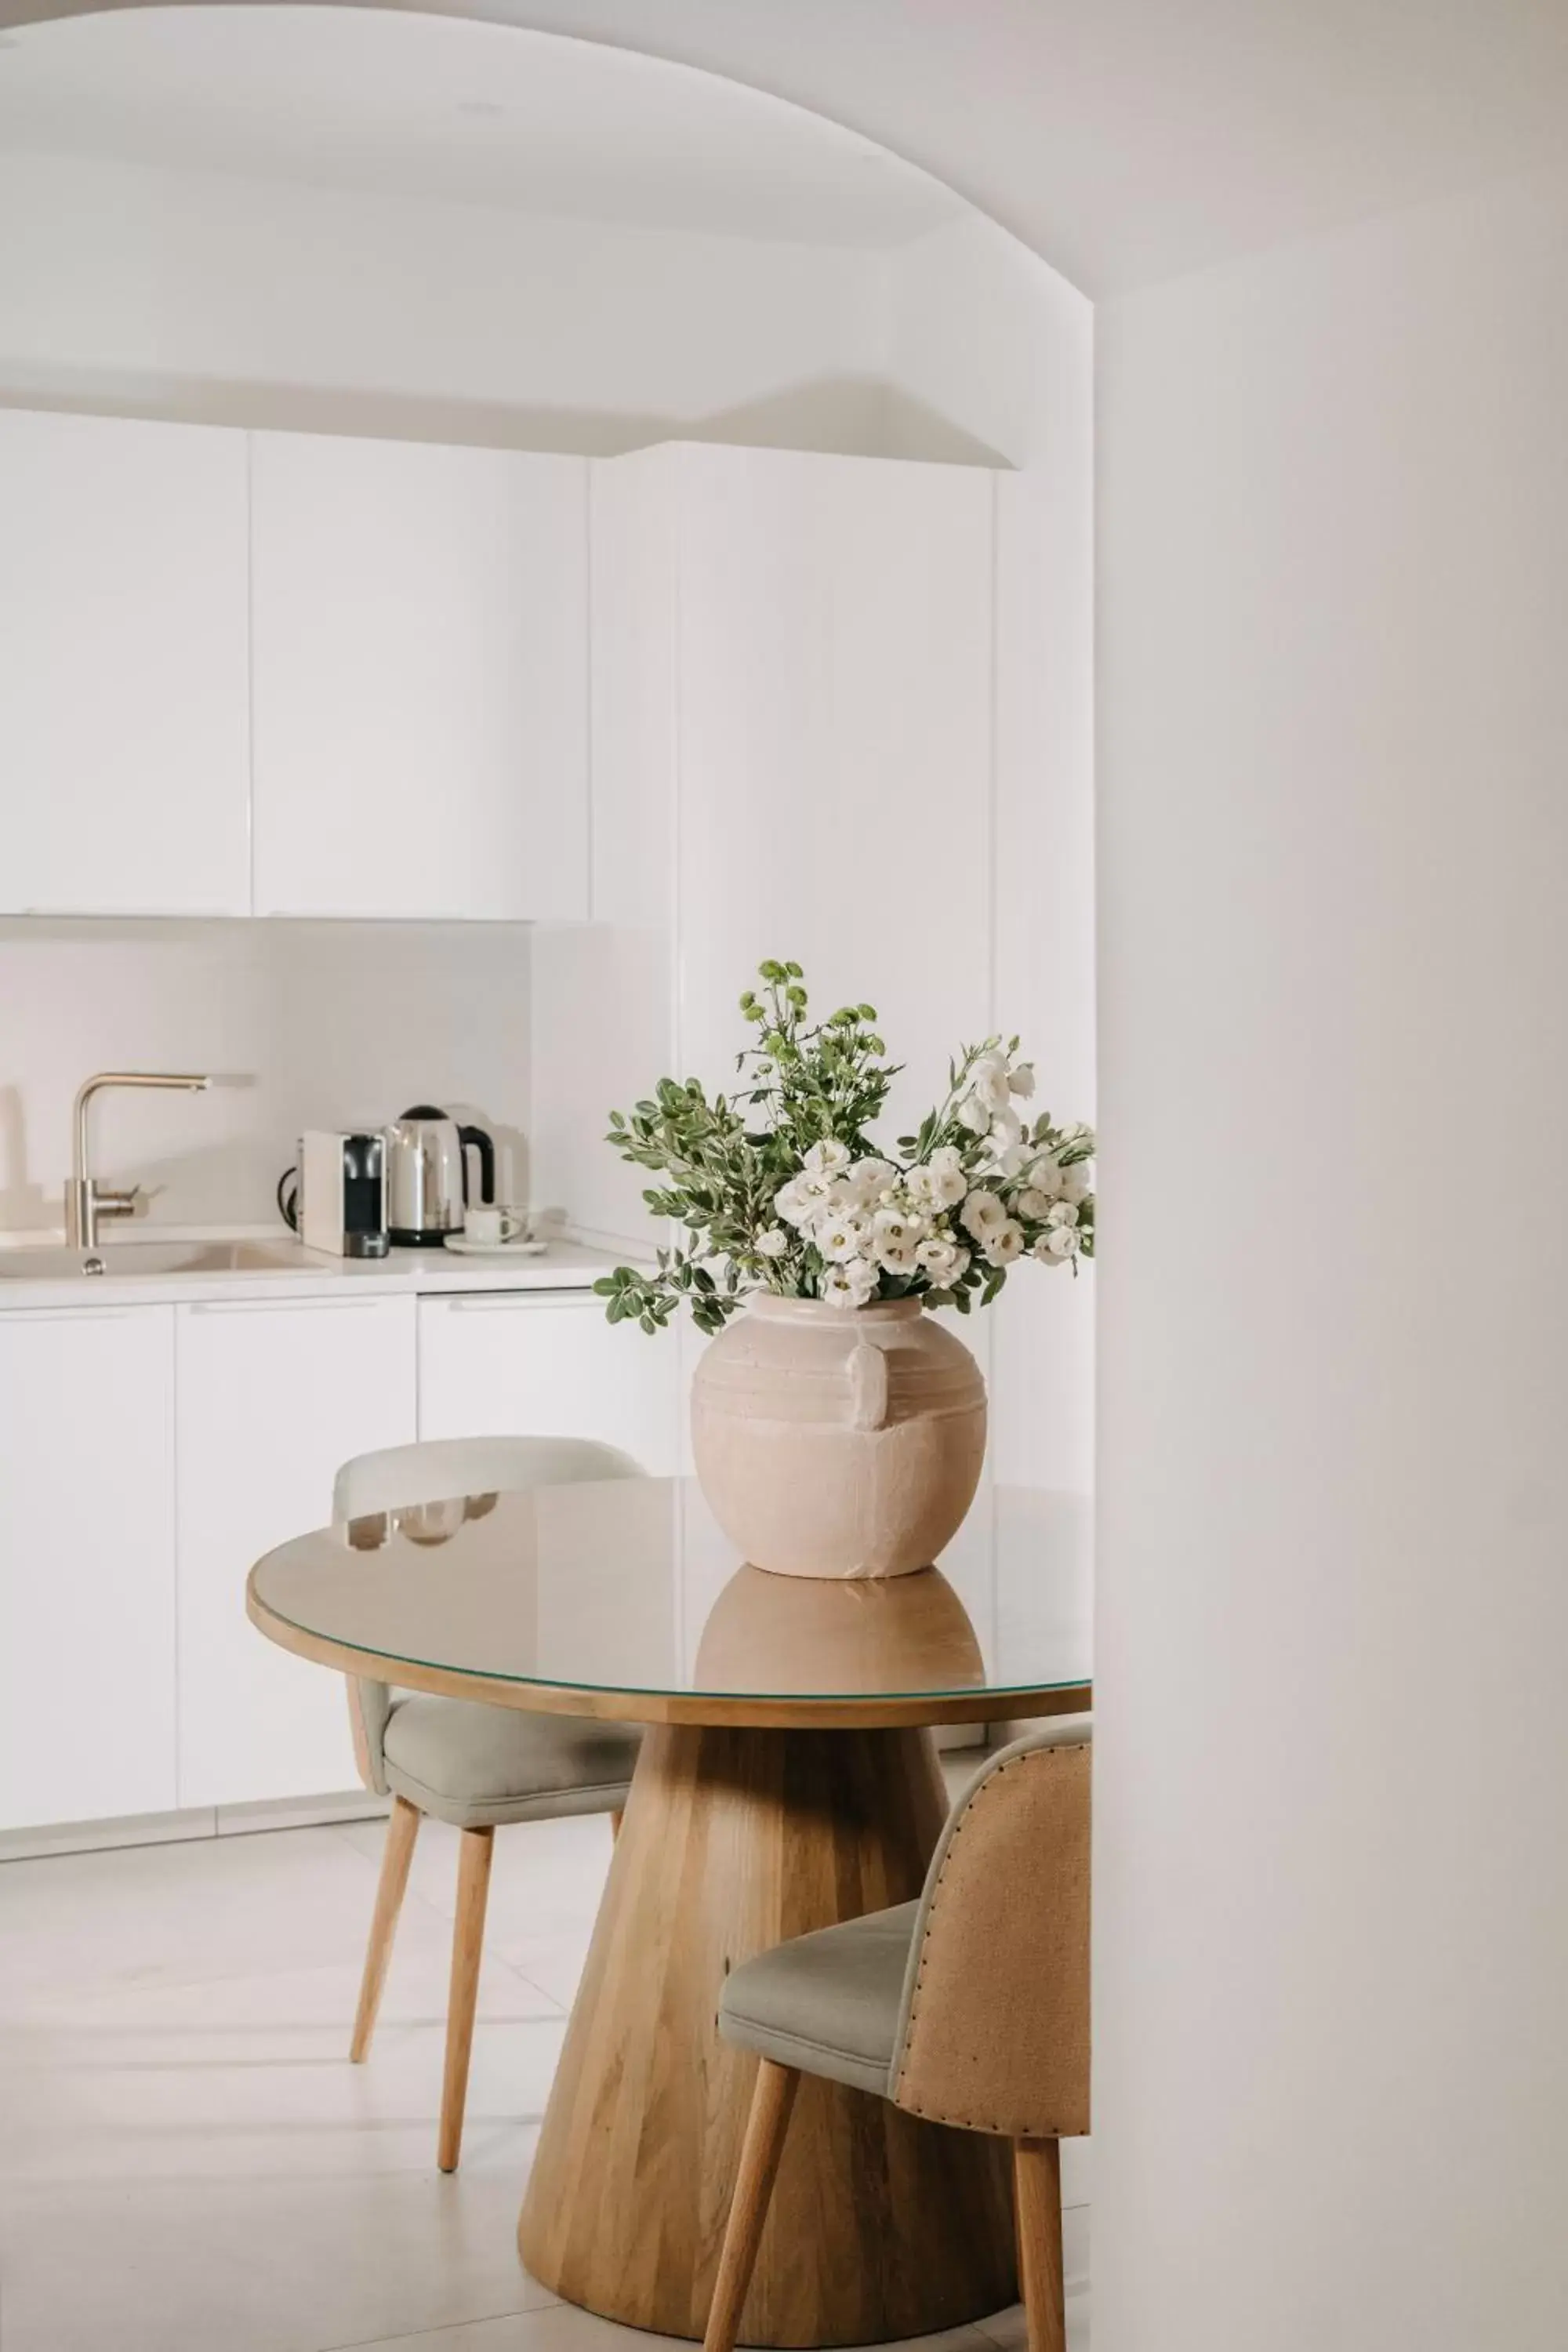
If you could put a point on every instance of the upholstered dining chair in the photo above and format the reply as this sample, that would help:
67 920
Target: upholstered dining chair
474 1766
968 2007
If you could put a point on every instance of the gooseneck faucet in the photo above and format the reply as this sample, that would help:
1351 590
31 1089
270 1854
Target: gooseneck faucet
86 1200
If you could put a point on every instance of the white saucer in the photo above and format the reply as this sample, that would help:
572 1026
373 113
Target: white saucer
461 1246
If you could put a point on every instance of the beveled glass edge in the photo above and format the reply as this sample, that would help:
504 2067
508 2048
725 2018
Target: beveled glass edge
940 1691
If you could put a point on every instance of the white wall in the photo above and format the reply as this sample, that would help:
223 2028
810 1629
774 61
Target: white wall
1332 2096
223 300
331 1025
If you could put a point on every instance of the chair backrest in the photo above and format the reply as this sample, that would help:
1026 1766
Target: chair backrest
401 1476
995 2030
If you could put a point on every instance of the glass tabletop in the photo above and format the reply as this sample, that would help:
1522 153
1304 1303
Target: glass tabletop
626 1597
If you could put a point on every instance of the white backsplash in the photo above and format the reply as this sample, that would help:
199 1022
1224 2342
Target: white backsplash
322 1025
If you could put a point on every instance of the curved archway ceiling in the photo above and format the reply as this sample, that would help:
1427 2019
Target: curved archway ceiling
1130 140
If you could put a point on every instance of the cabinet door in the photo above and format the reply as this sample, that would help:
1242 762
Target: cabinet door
492 1363
835 700
272 1397
86 1544
124 710
421 684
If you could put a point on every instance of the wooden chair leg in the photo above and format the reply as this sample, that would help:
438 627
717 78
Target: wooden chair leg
759 2153
1037 2192
468 1946
401 1829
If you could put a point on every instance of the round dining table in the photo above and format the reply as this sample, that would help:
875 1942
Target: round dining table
787 1779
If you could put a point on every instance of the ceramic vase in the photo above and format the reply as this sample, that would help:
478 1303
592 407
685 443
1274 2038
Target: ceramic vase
838 1441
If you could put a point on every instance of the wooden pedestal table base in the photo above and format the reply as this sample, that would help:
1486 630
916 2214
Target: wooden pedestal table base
881 2226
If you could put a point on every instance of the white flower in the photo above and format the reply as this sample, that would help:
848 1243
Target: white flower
974 1114
840 1234
938 1183
988 1081
1004 1244
1006 1127
1011 1160
864 1280
1033 1205
773 1244
1064 1241
946 1166
825 1158
803 1198
895 1239
1062 1212
850 1286
1042 1248
791 1203
1078 1138
1021 1080
867 1178
920 1186
982 1214
944 1261
1077 1182
1046 1176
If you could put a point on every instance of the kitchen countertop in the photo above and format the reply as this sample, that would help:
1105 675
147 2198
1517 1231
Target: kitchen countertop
291 1271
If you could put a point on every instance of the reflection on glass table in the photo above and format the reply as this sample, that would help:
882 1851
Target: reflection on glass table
628 1596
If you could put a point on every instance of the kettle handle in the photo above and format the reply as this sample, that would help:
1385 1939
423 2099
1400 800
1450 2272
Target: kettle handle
487 1151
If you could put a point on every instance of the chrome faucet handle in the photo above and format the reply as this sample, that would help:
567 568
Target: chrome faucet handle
116 1205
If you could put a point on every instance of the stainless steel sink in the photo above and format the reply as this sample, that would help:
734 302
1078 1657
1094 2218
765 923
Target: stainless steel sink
139 1261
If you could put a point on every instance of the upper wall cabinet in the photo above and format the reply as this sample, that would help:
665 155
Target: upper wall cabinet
420 684
124 752
793 735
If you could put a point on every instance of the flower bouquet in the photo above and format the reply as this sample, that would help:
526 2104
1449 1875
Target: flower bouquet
778 1187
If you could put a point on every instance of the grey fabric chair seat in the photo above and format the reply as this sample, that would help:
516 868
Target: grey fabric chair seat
828 2003
478 1766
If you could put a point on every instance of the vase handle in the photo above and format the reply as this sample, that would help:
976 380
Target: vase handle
867 1387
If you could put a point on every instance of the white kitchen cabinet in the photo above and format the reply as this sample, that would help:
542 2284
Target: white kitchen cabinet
498 1363
794 738
87 1564
420 648
273 1396
124 718
836 747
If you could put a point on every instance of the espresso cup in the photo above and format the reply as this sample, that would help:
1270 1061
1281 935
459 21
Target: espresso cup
492 1226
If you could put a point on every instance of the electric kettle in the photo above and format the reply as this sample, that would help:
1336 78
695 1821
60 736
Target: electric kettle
427 1175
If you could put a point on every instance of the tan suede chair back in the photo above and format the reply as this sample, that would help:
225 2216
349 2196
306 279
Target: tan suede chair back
994 2034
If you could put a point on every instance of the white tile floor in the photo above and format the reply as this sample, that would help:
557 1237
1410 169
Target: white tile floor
189 2164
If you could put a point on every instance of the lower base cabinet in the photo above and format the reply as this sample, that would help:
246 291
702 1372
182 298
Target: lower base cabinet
272 1397
496 1363
150 1455
87 1564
